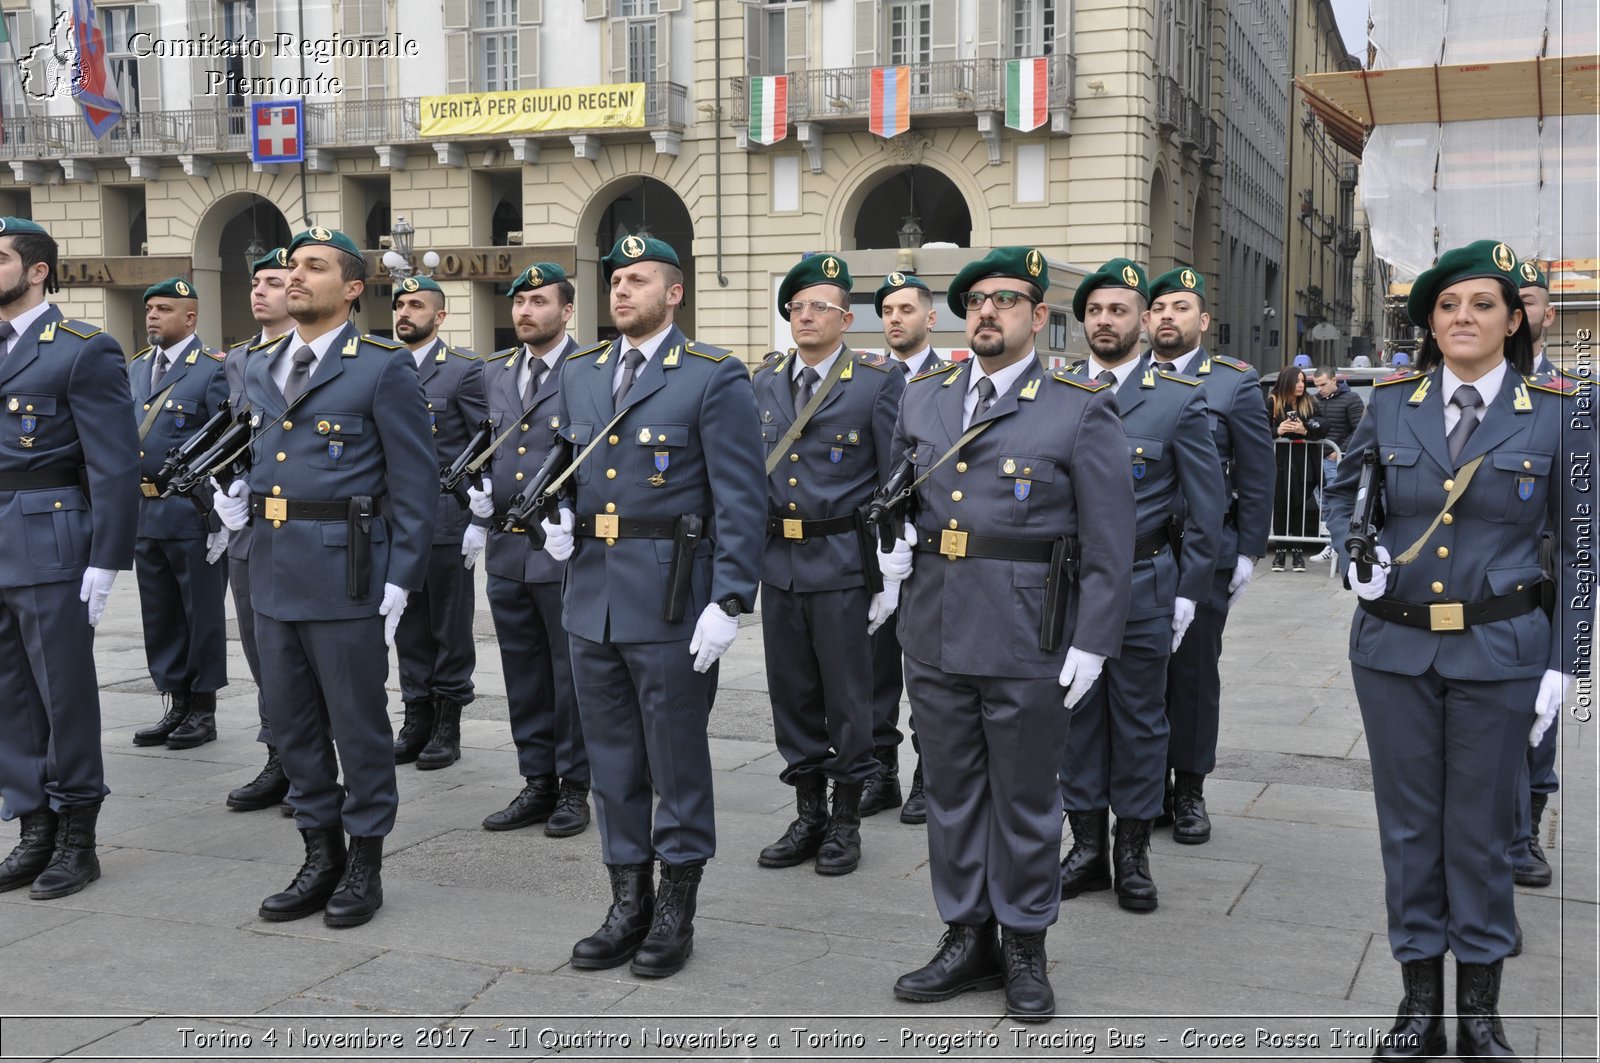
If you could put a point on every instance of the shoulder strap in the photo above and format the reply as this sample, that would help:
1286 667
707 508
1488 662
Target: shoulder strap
787 442
154 411
1462 478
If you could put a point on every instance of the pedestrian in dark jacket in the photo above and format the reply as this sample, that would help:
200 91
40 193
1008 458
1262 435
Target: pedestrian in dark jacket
1337 406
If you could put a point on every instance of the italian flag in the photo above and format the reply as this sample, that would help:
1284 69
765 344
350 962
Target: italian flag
890 113
769 109
1027 93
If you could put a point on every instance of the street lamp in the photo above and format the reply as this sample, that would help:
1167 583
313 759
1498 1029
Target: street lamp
910 232
253 251
398 260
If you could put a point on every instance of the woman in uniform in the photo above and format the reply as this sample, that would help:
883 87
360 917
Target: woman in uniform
1461 649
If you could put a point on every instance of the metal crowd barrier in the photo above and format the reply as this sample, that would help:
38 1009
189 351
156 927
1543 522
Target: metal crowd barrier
1297 492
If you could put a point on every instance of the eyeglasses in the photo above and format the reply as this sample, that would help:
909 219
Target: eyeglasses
816 306
1003 300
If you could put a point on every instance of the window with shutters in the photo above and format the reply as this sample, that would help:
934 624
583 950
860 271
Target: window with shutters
641 37
118 24
12 102
364 77
911 39
495 34
238 23
780 32
1033 28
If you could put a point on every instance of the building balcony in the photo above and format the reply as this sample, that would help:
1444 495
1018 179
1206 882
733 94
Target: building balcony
1349 173
1171 109
1349 244
329 126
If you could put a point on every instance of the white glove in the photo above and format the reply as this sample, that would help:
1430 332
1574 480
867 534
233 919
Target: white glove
216 545
232 505
1373 590
1079 673
1553 690
558 541
472 543
95 590
1182 617
896 563
1243 569
482 502
714 632
394 603
883 605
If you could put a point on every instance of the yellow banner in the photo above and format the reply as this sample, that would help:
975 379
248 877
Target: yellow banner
534 110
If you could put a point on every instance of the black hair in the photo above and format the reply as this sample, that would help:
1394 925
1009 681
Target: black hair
1518 347
34 248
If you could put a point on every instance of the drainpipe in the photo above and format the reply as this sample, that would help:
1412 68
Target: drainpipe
716 191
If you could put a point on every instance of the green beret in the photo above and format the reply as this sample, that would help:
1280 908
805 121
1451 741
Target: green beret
814 269
175 287
1118 273
1182 279
1023 263
631 249
277 258
18 226
330 237
1531 276
537 276
893 283
416 283
1481 258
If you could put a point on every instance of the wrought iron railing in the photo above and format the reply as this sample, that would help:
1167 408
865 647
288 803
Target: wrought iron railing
1171 109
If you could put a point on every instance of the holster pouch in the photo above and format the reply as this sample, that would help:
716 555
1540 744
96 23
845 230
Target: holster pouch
1063 571
867 543
1547 565
679 577
358 567
1175 535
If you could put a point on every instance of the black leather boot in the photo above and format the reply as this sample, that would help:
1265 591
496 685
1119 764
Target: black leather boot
916 806
444 745
1535 870
1165 819
200 726
882 791
666 948
840 852
968 959
627 921
33 850
533 805
1190 824
803 838
1479 1033
572 811
1087 866
157 733
1029 997
74 864
1418 1030
314 883
265 790
360 891
415 730
1136 890
1516 943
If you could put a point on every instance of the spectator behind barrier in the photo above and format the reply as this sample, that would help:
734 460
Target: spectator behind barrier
1294 512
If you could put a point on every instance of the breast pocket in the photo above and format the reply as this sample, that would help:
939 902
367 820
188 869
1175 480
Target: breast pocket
336 434
841 453
25 417
1145 456
658 446
1402 483
1025 482
1516 488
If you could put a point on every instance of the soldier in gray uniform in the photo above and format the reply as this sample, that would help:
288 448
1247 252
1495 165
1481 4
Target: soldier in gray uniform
344 488
524 386
1026 536
827 420
434 640
177 384
68 466
668 518
269 305
1468 637
1175 322
1116 754
905 306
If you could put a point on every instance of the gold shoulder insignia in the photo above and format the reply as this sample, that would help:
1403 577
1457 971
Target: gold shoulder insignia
1232 363
1177 378
470 356
215 355
501 356
848 373
194 356
141 353
81 329
1076 367
379 341
1402 375
1062 376
879 362
602 345
705 350
269 343
1030 390
936 371
1422 390
1557 384
444 352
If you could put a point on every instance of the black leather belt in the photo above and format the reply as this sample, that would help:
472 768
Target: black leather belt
1456 616
801 530
1152 545
954 544
611 526
39 479
290 509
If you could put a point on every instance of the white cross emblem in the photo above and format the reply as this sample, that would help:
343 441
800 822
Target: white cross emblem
275 132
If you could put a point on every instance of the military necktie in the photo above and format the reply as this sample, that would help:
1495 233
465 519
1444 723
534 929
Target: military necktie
161 372
1108 377
808 388
905 367
1469 402
7 330
299 375
985 399
536 371
634 358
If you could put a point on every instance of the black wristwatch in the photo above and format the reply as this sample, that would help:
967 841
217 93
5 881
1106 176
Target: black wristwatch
731 606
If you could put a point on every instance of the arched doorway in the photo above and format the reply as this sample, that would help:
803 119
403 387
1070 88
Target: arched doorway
911 207
642 206
1162 254
237 229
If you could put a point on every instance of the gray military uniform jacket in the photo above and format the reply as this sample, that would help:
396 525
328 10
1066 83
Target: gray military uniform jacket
512 554
189 394
452 386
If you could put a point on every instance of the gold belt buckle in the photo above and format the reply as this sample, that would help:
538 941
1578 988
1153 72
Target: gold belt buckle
275 508
605 525
792 528
1446 616
953 544
149 490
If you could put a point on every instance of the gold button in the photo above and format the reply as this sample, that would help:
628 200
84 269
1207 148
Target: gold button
147 405
661 439
793 482
288 425
1136 450
522 450
1449 485
141 453
1449 518
430 405
524 428
58 506
611 542
338 428
282 456
953 524
1527 465
1391 457
793 507
1027 470
519 476
30 406
961 466
611 474
277 490
955 496
794 457
1443 551
1438 588
614 440
611 507
277 524
836 439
